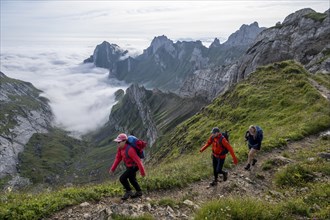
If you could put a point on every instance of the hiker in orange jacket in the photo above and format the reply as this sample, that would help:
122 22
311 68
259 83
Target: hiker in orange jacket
132 162
220 147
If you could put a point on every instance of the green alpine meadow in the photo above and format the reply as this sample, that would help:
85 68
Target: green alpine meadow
279 98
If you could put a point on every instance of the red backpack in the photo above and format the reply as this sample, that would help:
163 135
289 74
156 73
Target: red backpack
137 144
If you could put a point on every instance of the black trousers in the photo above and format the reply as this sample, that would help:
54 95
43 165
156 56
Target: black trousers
217 166
130 175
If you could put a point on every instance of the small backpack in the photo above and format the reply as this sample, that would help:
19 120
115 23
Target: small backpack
137 144
224 135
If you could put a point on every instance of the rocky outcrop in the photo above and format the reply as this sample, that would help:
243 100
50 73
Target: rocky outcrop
208 83
23 113
246 35
215 43
303 36
158 42
106 55
138 97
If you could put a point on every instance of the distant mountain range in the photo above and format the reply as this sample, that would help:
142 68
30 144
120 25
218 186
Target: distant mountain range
166 65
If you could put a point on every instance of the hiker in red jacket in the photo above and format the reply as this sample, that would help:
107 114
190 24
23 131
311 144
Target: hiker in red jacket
220 147
133 164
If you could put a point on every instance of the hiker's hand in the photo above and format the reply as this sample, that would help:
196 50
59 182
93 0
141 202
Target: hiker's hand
112 173
235 161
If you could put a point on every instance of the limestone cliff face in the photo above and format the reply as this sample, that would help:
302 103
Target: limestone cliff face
303 36
23 113
208 83
138 98
211 81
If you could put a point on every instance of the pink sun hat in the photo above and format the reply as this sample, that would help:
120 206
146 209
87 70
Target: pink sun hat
121 137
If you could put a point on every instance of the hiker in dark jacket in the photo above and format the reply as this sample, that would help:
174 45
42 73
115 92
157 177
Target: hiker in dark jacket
254 138
133 164
218 154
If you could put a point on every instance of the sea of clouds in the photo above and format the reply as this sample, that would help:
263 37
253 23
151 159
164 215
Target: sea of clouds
81 95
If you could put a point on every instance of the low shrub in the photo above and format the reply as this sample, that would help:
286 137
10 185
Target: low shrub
293 175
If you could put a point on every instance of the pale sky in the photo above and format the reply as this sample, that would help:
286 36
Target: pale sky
125 21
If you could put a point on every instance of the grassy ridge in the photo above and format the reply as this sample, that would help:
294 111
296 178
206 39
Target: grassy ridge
278 97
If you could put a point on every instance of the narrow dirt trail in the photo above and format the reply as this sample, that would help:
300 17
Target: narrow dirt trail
322 90
256 183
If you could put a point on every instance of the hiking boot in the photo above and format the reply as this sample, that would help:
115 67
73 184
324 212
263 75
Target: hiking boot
127 195
214 183
225 176
247 167
137 194
254 161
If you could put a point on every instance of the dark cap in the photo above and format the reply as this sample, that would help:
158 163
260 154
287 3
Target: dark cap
215 130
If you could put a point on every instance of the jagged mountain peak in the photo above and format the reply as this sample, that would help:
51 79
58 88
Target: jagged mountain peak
114 48
245 35
160 38
106 55
245 26
215 43
158 42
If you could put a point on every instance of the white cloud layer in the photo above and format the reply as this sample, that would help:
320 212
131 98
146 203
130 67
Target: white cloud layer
80 95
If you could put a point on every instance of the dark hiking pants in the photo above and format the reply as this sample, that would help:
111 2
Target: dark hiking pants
130 175
217 166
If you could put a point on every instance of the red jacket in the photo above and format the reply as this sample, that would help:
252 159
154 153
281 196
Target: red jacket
217 149
132 160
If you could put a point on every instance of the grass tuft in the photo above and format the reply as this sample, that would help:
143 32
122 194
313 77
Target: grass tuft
294 175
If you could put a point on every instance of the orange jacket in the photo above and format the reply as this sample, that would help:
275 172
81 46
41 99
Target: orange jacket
132 160
217 149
